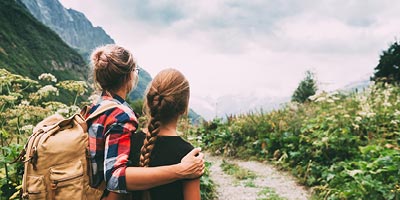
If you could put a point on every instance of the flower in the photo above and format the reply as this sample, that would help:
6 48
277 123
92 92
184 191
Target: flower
47 77
47 90
362 113
386 104
26 128
25 103
320 99
371 114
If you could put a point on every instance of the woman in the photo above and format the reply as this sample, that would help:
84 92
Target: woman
166 99
115 74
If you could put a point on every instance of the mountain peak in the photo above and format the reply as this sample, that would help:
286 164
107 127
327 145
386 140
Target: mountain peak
71 25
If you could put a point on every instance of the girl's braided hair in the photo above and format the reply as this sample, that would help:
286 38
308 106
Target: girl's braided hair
167 98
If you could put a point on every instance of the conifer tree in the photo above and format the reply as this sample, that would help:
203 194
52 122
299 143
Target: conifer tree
307 87
388 69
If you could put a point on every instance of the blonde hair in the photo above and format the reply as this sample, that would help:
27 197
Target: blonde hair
112 67
167 98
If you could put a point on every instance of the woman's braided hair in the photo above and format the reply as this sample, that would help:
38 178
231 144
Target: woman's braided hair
167 98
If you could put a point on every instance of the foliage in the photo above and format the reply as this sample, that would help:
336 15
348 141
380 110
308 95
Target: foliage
27 47
344 146
236 171
269 194
388 69
23 103
307 87
207 185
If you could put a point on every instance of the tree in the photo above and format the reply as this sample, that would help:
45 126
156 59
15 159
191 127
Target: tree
388 69
307 87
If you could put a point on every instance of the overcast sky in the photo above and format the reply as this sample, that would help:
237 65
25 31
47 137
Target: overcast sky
262 46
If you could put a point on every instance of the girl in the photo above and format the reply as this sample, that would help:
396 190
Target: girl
166 100
115 74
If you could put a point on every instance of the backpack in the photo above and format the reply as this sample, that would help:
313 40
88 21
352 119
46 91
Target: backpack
57 158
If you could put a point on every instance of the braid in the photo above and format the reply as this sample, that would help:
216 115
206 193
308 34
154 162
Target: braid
166 99
153 130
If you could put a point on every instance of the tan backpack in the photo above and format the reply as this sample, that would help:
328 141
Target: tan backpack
57 164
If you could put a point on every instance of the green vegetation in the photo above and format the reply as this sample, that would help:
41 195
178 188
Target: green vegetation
236 171
388 69
207 186
268 194
343 146
23 103
307 87
29 48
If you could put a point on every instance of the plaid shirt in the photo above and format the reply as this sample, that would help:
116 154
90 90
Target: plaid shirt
109 143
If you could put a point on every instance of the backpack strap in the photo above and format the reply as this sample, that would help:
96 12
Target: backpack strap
104 106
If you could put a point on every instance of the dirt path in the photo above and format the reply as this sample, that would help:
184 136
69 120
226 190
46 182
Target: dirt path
268 179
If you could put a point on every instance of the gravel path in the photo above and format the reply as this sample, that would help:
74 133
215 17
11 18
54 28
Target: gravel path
268 176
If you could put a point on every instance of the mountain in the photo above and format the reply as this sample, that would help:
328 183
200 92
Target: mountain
29 48
144 80
77 31
358 85
233 104
72 26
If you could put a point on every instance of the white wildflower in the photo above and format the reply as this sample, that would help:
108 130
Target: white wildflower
387 104
346 116
362 113
356 126
63 111
335 98
47 77
330 101
396 113
395 122
371 114
47 90
358 119
27 128
320 99
74 109
25 103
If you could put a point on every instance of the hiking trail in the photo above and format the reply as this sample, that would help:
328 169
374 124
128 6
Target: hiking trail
269 181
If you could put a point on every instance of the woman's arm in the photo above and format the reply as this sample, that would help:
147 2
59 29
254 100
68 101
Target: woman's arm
142 178
191 189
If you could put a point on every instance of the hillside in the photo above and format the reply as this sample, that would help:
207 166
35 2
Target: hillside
29 48
71 25
77 31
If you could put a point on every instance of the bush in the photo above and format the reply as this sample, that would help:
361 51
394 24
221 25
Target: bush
344 146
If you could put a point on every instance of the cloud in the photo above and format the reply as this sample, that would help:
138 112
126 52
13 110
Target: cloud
236 46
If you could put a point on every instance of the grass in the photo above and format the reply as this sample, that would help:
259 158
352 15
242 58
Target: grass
236 171
268 194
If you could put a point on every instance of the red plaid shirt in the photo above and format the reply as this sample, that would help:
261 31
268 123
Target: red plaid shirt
109 143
